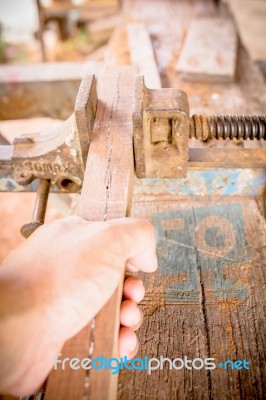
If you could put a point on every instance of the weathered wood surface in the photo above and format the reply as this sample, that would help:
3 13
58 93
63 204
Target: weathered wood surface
105 195
206 300
227 157
209 52
167 22
26 90
211 182
117 52
207 297
142 54
85 110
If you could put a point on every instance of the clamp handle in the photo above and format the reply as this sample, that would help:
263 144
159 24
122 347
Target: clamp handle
39 210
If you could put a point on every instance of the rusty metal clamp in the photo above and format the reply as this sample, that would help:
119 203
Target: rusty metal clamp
59 154
162 129
54 157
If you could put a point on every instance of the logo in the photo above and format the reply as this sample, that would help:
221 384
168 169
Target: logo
145 364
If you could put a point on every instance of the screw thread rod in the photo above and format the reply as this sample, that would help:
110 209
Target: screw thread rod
244 127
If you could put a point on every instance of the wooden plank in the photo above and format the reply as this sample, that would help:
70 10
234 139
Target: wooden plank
65 6
205 300
117 52
209 52
142 54
251 15
207 182
227 157
85 111
214 320
167 22
26 90
42 72
104 196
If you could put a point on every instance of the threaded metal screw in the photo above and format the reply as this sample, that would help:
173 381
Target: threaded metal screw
244 127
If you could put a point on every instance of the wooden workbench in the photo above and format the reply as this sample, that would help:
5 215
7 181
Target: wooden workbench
207 298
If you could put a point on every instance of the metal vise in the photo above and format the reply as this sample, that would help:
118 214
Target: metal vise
59 154
161 126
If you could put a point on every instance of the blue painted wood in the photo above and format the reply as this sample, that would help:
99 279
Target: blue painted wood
211 182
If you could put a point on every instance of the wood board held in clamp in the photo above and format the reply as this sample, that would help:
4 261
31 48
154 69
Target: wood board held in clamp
105 195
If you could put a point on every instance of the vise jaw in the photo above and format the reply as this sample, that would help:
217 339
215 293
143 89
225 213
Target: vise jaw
161 131
59 154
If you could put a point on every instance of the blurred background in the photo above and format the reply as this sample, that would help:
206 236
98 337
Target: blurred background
44 30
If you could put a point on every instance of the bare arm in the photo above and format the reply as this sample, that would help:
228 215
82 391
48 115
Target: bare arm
57 281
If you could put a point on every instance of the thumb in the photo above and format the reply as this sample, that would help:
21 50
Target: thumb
138 239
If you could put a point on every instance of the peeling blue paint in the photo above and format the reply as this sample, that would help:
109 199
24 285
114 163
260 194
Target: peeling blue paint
212 182
178 251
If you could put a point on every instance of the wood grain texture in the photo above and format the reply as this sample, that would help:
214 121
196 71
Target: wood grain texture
111 159
142 54
167 22
210 51
227 157
105 195
205 300
196 305
85 109
117 52
26 91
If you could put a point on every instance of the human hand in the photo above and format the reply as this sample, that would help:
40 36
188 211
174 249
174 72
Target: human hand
57 281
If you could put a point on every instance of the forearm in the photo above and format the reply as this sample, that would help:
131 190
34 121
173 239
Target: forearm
20 325
53 284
